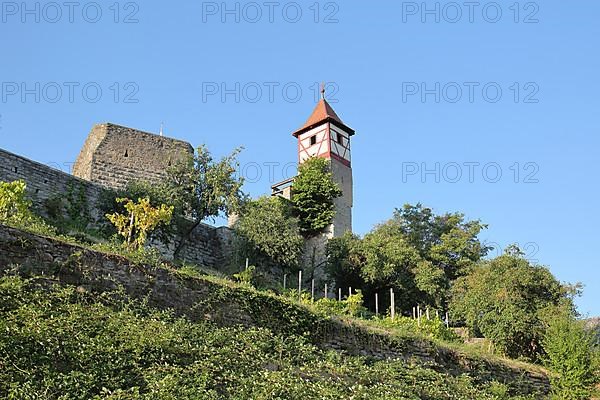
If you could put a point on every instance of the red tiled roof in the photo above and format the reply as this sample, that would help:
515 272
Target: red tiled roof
323 112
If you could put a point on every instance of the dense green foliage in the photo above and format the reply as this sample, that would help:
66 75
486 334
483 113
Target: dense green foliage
313 194
268 234
431 328
507 299
572 353
206 188
15 209
64 344
416 253
70 212
14 206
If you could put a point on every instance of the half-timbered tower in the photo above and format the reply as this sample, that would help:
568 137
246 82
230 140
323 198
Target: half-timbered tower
325 135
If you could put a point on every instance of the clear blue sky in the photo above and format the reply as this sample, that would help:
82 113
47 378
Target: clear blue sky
377 54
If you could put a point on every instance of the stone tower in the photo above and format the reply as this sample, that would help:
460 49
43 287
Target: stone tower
113 155
325 135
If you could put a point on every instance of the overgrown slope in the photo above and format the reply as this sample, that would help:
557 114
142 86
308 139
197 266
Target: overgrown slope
60 343
71 331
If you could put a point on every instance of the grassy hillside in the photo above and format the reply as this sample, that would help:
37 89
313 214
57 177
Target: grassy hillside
64 343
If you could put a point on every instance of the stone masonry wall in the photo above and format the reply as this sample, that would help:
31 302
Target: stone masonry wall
202 299
113 155
209 247
44 182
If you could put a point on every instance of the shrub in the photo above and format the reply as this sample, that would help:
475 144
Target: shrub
506 300
246 276
141 218
351 306
573 355
268 235
434 328
15 209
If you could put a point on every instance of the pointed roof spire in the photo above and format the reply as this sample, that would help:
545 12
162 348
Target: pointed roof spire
322 113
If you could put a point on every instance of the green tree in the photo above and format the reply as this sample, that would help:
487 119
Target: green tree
506 300
416 252
140 219
199 188
388 261
268 234
571 352
206 188
313 194
344 261
448 241
384 259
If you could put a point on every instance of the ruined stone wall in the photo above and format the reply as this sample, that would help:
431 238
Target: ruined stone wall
113 155
209 247
204 299
44 182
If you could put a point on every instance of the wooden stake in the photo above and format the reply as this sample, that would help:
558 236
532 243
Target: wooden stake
418 315
247 263
299 282
350 291
392 304
447 320
427 313
326 291
377 304
340 294
284 281
312 290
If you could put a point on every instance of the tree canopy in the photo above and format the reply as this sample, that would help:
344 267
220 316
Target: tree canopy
416 252
507 300
268 234
313 194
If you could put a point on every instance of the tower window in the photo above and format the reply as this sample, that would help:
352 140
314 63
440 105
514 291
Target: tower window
313 140
126 153
340 138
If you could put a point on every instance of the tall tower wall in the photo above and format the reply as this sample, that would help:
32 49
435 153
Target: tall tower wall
114 155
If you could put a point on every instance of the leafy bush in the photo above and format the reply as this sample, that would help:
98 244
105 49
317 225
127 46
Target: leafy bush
59 343
268 235
141 218
434 328
506 300
351 306
571 353
246 276
15 209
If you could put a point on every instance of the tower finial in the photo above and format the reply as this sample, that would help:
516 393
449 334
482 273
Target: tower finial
323 90
161 129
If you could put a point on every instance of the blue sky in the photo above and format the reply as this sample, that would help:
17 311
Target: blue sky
161 62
